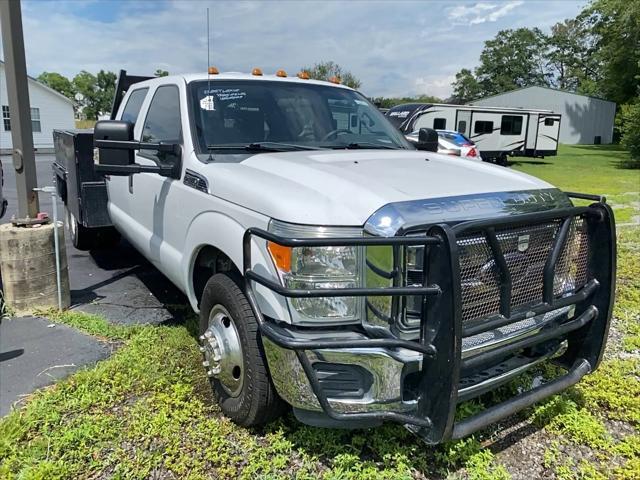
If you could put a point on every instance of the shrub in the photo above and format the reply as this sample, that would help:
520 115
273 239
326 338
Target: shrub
631 131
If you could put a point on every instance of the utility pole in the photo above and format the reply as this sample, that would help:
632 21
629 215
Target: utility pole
24 160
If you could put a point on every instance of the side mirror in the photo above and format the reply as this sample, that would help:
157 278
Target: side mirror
427 140
116 146
114 130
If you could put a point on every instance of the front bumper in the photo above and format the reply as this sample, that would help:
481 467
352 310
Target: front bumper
369 375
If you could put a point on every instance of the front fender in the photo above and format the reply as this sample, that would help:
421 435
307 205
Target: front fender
219 230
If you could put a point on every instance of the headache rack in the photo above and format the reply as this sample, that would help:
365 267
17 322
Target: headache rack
441 324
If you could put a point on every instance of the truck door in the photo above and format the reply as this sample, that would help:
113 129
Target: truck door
118 187
158 208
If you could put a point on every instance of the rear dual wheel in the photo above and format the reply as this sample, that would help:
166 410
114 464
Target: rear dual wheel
233 354
84 238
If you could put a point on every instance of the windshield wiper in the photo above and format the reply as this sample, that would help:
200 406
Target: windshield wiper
363 146
264 147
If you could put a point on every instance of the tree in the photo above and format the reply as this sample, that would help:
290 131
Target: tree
97 92
631 131
513 59
571 56
615 25
388 102
465 87
161 73
106 83
327 70
59 83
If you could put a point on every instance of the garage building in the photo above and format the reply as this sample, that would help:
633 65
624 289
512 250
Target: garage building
50 110
585 120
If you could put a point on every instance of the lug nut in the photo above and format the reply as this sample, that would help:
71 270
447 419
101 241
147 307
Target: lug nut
202 349
202 338
210 373
207 334
216 370
205 363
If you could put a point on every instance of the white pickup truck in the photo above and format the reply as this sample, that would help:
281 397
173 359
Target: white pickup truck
341 270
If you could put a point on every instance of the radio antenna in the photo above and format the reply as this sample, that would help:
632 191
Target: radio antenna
209 95
208 55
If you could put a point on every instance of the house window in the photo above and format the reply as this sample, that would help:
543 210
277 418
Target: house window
35 120
482 126
439 123
511 125
6 118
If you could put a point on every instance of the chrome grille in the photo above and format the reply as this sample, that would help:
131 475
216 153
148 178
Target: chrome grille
525 249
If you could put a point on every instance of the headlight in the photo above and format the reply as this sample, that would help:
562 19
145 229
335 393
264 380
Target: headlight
319 267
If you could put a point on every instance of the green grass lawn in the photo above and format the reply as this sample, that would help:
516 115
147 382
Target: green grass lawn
596 169
147 412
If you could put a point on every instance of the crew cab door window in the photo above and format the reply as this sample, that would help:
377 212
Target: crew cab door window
163 122
134 103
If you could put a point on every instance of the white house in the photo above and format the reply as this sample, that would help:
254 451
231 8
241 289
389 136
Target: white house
50 110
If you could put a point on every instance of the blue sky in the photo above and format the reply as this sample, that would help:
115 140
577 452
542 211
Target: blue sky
396 48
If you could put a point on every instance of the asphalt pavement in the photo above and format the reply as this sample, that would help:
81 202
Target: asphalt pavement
118 284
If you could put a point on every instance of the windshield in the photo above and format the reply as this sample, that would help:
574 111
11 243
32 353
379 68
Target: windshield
457 139
235 116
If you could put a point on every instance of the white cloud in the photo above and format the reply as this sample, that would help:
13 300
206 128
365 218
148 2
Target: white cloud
481 12
435 85
394 48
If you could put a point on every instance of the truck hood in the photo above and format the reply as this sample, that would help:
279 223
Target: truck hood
346 187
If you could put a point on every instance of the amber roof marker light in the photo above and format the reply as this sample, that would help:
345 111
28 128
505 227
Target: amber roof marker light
303 75
213 71
335 80
256 71
281 73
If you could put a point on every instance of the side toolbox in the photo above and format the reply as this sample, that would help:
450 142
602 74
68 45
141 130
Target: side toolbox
83 192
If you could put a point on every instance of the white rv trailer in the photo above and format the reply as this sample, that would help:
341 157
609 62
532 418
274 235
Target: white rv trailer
498 132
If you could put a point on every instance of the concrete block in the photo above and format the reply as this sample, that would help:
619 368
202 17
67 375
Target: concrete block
28 267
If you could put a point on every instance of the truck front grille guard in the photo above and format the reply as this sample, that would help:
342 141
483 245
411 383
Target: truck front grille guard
441 329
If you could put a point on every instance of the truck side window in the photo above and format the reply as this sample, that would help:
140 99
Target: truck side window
511 125
163 123
134 103
482 126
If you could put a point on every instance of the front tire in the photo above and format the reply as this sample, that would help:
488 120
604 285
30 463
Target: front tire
233 355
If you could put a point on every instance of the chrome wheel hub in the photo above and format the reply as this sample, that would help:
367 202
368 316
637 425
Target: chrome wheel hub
222 351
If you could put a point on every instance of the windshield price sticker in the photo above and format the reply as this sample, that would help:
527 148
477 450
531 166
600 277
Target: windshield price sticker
226 94
207 103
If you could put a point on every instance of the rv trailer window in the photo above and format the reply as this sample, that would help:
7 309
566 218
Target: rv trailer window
462 126
548 122
439 123
511 125
482 126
